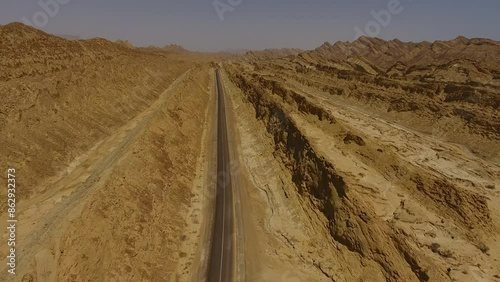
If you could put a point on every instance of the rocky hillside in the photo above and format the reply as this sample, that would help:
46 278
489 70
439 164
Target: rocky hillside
392 151
104 138
449 88
61 96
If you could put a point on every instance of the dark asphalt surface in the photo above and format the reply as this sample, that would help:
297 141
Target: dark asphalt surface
221 264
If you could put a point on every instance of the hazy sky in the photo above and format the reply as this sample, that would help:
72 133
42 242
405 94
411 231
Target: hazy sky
257 24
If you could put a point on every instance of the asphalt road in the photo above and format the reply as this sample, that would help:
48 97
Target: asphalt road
221 265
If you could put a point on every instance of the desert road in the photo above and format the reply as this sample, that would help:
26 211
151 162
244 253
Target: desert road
222 252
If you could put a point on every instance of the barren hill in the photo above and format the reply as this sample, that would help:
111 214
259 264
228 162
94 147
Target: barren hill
77 118
392 153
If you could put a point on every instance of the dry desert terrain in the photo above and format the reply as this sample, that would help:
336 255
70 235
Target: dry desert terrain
369 160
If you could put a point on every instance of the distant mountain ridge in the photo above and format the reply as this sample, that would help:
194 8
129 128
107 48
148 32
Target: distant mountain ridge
385 54
274 53
174 48
171 48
